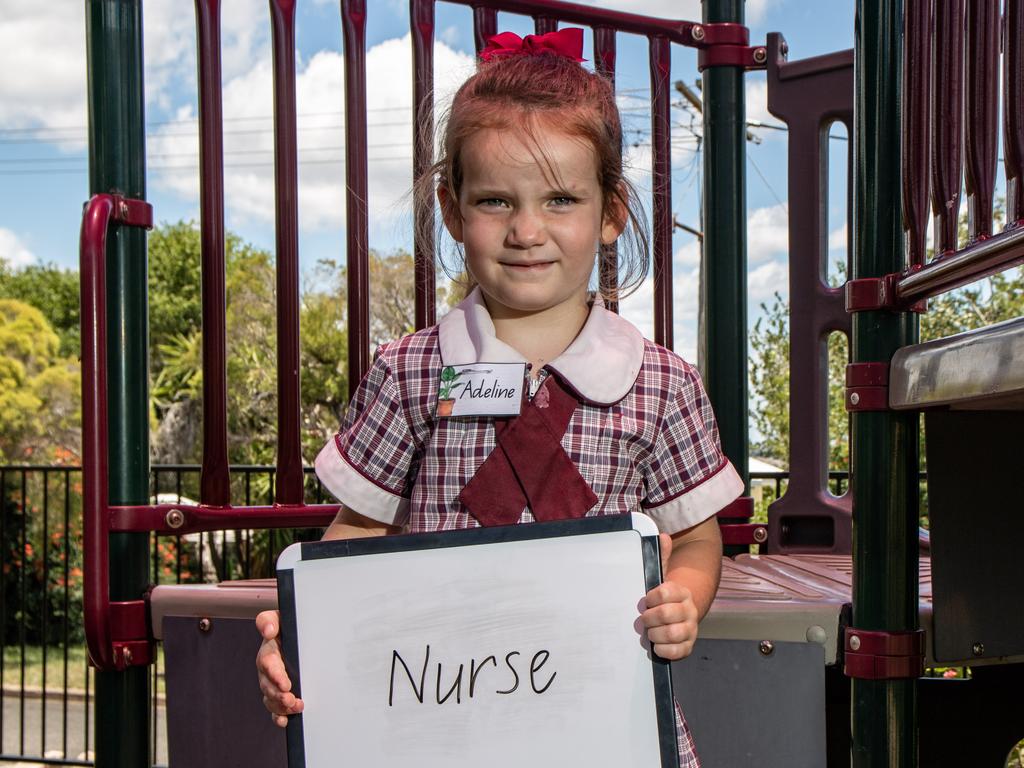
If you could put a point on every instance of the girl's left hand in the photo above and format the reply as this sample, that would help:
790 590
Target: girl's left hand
671 615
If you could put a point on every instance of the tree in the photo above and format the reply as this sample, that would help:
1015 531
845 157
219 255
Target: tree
40 411
51 290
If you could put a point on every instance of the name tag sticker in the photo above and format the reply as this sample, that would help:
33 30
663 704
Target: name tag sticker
481 389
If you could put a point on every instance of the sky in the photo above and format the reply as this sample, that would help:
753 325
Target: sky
43 180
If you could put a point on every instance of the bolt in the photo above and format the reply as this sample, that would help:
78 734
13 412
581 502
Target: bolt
784 50
978 649
760 55
175 518
698 32
205 625
760 534
127 654
766 647
854 643
124 210
854 398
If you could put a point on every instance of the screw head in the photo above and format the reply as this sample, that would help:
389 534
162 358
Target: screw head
697 32
766 647
175 518
760 55
127 655
784 49
124 210
854 398
854 643
205 625
978 649
760 534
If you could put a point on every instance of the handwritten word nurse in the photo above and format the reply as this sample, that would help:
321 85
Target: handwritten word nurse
531 188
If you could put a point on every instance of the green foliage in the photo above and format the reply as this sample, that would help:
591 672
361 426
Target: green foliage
51 290
40 411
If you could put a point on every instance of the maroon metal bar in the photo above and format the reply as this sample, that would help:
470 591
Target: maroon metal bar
289 482
587 15
947 121
357 227
978 260
1013 110
982 114
604 64
485 25
100 212
175 519
808 95
916 98
421 18
544 24
95 439
661 185
214 483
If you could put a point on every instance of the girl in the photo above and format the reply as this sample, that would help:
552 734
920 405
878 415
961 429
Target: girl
531 186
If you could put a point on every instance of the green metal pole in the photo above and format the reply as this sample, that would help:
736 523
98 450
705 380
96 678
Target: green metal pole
884 443
724 288
117 164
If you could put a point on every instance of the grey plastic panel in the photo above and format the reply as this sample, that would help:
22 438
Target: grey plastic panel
748 708
981 369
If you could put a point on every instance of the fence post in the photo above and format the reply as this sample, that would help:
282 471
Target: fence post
884 453
117 165
725 248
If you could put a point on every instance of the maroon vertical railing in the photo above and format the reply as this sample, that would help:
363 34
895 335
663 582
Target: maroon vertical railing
604 64
544 24
982 109
947 119
357 227
421 19
1013 109
661 184
916 144
485 25
214 484
289 480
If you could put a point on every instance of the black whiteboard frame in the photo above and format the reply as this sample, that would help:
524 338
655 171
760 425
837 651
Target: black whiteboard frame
320 550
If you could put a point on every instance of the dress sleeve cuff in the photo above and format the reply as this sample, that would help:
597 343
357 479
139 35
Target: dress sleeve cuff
698 503
356 491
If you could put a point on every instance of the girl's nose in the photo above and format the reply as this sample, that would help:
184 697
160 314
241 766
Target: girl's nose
526 229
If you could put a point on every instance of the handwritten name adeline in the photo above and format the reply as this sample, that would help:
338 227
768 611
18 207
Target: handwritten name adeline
508 671
485 389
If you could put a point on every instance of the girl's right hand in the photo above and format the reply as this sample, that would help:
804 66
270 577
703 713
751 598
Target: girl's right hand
274 681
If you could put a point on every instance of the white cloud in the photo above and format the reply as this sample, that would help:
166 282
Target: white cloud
766 280
767 233
42 53
837 238
13 251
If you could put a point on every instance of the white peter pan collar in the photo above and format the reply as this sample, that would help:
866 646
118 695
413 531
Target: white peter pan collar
601 364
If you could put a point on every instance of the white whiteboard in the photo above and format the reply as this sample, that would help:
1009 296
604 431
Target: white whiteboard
476 648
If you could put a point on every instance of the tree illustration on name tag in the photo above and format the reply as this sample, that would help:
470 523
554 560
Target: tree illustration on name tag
445 401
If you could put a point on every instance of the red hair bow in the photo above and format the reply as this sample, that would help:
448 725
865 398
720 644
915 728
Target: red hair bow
566 42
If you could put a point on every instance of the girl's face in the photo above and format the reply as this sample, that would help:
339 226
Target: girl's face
530 223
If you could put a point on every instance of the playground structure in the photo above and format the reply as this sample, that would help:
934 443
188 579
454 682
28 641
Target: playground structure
829 633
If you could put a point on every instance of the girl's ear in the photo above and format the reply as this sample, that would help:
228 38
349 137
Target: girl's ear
450 212
613 221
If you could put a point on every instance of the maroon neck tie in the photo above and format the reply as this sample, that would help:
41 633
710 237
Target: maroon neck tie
528 467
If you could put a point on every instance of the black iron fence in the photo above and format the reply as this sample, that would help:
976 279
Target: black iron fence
45 707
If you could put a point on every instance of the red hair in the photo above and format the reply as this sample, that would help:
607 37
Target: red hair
530 93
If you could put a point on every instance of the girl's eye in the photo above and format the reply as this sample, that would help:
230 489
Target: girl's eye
562 201
492 202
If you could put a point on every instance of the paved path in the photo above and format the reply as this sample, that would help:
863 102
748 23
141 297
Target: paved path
55 729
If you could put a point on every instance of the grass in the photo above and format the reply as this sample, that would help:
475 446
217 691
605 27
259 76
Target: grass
76 674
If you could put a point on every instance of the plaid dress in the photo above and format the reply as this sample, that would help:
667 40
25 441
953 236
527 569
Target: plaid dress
643 437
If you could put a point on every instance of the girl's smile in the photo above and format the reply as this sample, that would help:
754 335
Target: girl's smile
530 217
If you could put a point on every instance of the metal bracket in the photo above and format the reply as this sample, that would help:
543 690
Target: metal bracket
875 293
741 533
726 45
867 387
129 631
878 655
